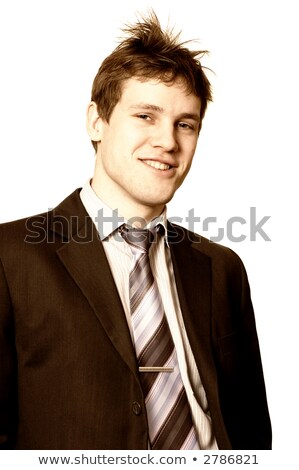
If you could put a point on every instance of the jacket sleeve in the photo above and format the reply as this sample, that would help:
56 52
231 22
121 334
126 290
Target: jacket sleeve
253 373
244 398
8 369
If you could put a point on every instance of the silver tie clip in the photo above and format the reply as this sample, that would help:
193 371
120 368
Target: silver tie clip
156 369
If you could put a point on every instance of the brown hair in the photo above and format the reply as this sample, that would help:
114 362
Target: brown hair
149 52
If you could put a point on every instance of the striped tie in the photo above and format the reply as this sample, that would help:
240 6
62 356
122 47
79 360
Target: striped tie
169 418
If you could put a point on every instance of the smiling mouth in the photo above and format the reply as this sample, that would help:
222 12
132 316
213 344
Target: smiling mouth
157 165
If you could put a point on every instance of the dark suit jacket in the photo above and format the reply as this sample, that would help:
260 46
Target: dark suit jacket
68 373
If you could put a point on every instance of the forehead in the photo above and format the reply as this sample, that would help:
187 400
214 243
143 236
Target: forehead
172 95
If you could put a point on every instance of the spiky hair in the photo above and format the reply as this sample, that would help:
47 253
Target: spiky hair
147 51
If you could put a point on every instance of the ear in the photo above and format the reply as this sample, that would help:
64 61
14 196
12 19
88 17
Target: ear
93 122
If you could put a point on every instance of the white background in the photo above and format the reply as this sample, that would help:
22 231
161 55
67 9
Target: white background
50 52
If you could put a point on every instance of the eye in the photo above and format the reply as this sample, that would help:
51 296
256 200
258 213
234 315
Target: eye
144 117
185 125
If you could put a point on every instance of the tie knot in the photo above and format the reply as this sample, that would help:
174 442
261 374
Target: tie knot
139 238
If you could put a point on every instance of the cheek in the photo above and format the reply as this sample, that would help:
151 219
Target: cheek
188 147
113 151
189 157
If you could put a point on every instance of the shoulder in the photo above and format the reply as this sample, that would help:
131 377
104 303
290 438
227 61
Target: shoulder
19 239
11 232
220 256
35 229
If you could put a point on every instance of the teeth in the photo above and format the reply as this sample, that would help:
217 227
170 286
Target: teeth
157 165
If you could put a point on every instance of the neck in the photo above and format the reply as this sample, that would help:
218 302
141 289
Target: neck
137 215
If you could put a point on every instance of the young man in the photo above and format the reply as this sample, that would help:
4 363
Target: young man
121 338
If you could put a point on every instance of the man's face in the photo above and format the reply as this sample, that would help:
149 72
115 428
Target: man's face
147 147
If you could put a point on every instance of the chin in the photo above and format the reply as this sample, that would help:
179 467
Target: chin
151 200
159 203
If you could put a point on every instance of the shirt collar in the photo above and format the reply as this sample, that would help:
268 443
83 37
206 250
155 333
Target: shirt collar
108 220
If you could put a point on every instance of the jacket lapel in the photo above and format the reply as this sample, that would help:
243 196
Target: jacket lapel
84 258
193 276
192 271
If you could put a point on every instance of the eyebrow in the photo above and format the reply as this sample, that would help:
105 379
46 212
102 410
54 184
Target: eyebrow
153 107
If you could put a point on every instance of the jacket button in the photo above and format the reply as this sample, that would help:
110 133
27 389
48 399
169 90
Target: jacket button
136 408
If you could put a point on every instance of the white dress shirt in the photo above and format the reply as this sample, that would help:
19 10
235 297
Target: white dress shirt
119 256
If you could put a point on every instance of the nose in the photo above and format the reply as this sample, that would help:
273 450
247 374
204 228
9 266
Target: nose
164 136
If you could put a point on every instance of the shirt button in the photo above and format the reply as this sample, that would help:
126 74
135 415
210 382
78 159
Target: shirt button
136 408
